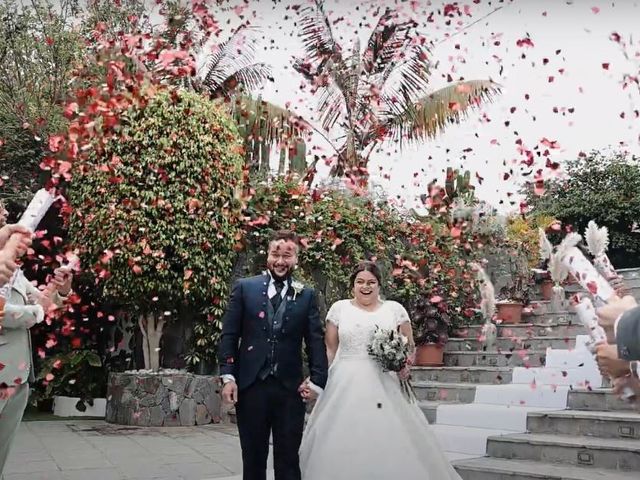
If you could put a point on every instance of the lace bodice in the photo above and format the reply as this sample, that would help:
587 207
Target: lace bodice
356 326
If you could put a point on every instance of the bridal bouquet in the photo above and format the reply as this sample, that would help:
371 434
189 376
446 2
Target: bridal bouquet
390 349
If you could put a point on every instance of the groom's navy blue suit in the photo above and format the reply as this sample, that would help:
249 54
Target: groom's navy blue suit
261 346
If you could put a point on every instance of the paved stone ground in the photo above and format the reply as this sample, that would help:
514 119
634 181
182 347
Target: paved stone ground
95 450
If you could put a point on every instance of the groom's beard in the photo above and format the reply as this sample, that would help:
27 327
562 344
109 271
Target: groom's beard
286 277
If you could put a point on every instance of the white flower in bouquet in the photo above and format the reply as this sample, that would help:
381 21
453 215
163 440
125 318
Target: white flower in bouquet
390 349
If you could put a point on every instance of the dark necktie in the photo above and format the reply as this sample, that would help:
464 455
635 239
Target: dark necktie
277 298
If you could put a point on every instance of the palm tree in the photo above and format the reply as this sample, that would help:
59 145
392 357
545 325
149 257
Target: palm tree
230 72
381 94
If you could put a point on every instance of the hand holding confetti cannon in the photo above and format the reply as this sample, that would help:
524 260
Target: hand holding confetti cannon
29 221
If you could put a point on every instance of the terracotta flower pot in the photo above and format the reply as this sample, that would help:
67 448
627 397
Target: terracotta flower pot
546 289
430 355
510 312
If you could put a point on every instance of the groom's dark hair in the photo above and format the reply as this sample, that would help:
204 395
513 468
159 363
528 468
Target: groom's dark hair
286 235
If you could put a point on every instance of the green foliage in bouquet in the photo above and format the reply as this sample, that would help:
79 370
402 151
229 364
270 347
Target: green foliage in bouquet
154 210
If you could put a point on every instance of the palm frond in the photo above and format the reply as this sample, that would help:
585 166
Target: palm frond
425 118
250 78
235 58
330 105
414 70
387 42
271 123
316 34
323 64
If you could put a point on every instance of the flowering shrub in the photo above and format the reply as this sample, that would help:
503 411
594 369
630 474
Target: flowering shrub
337 229
420 260
153 210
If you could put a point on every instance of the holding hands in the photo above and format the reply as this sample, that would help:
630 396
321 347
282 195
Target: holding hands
306 392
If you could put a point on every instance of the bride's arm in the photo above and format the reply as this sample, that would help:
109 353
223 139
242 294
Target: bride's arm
407 331
331 341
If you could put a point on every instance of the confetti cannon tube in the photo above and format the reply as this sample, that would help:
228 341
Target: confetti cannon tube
32 216
587 276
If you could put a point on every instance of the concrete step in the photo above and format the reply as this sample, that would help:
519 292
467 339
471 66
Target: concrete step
610 453
596 400
506 343
458 457
596 424
488 468
576 358
430 409
629 273
520 395
541 311
466 440
538 328
445 392
482 415
506 358
462 374
580 377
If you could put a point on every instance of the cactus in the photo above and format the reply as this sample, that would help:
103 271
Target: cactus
456 185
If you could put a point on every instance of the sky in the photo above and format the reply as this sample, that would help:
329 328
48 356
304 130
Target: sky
564 85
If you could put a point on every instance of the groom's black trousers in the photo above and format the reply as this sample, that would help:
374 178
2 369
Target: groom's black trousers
268 407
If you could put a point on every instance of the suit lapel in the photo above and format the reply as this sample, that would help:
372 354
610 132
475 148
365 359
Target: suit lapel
267 318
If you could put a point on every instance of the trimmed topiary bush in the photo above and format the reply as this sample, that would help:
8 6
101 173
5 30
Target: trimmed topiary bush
155 215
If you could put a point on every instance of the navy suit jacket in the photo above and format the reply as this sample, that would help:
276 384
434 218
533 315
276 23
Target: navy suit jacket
628 335
246 335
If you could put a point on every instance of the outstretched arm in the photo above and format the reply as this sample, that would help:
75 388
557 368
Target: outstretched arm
407 331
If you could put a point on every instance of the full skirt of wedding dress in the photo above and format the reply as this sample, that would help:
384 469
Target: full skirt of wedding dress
362 427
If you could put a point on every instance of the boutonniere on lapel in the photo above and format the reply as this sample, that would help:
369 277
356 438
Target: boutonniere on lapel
297 288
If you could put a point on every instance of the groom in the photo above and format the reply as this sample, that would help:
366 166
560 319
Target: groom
260 354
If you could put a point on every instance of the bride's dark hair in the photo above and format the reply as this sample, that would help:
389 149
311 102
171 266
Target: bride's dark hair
365 266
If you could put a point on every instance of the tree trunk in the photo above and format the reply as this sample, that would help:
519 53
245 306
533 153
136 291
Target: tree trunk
151 327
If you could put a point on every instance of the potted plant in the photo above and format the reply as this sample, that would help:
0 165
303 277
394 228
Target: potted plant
77 382
514 296
545 283
512 299
431 328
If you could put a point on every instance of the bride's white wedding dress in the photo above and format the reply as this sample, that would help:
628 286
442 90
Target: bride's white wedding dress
362 427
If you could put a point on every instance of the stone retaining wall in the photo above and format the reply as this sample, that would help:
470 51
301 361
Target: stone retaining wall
162 399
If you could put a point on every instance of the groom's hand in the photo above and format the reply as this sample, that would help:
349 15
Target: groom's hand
230 392
306 392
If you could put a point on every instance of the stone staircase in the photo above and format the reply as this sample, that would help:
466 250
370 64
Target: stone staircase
534 408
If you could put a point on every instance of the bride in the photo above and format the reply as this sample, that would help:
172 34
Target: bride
362 427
